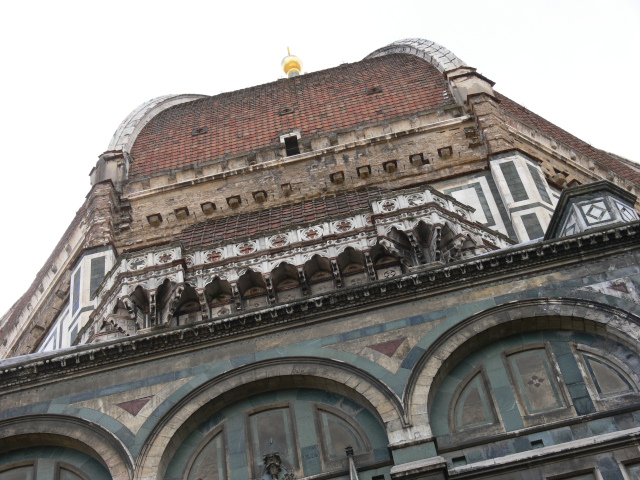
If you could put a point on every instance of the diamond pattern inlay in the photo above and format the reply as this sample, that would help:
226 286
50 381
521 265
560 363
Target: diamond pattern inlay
596 212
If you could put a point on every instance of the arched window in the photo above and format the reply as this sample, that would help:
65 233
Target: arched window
608 381
534 378
67 472
634 471
210 461
336 431
473 407
304 432
272 430
19 472
50 462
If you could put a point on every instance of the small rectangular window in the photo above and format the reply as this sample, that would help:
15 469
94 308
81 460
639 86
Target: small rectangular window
97 273
76 292
73 334
516 187
291 144
532 226
539 183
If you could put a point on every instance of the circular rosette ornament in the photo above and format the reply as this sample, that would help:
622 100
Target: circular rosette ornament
388 205
164 257
415 200
213 256
279 240
136 264
246 248
343 226
312 233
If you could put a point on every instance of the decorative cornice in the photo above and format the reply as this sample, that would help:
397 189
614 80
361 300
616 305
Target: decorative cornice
514 261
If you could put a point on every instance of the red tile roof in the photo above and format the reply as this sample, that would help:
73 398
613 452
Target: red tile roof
324 101
607 160
248 224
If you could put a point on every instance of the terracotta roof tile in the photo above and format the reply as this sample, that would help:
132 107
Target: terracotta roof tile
324 101
607 160
244 224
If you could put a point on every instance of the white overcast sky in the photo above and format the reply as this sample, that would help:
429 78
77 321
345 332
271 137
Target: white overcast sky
72 71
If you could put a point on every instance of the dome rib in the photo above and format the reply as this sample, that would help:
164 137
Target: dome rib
437 55
128 130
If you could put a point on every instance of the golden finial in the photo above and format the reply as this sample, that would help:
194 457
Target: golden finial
291 65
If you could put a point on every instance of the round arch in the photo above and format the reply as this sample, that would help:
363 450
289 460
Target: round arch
290 372
73 432
498 322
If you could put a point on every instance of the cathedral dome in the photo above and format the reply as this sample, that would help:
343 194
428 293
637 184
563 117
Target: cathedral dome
386 86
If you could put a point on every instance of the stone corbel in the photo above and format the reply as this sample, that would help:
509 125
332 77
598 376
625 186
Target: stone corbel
271 294
235 293
369 263
416 247
435 242
302 279
336 272
128 304
152 307
174 302
204 307
391 248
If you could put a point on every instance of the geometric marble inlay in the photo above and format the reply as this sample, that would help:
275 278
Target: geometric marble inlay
621 288
134 406
628 214
596 212
388 348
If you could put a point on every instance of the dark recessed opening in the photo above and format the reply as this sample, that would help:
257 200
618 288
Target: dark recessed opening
372 90
459 461
418 159
537 444
445 153
199 131
291 144
286 110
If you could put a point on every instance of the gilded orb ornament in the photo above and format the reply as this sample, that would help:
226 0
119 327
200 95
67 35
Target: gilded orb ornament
291 65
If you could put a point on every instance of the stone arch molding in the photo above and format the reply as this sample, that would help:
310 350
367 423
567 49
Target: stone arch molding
548 313
162 441
72 432
437 55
